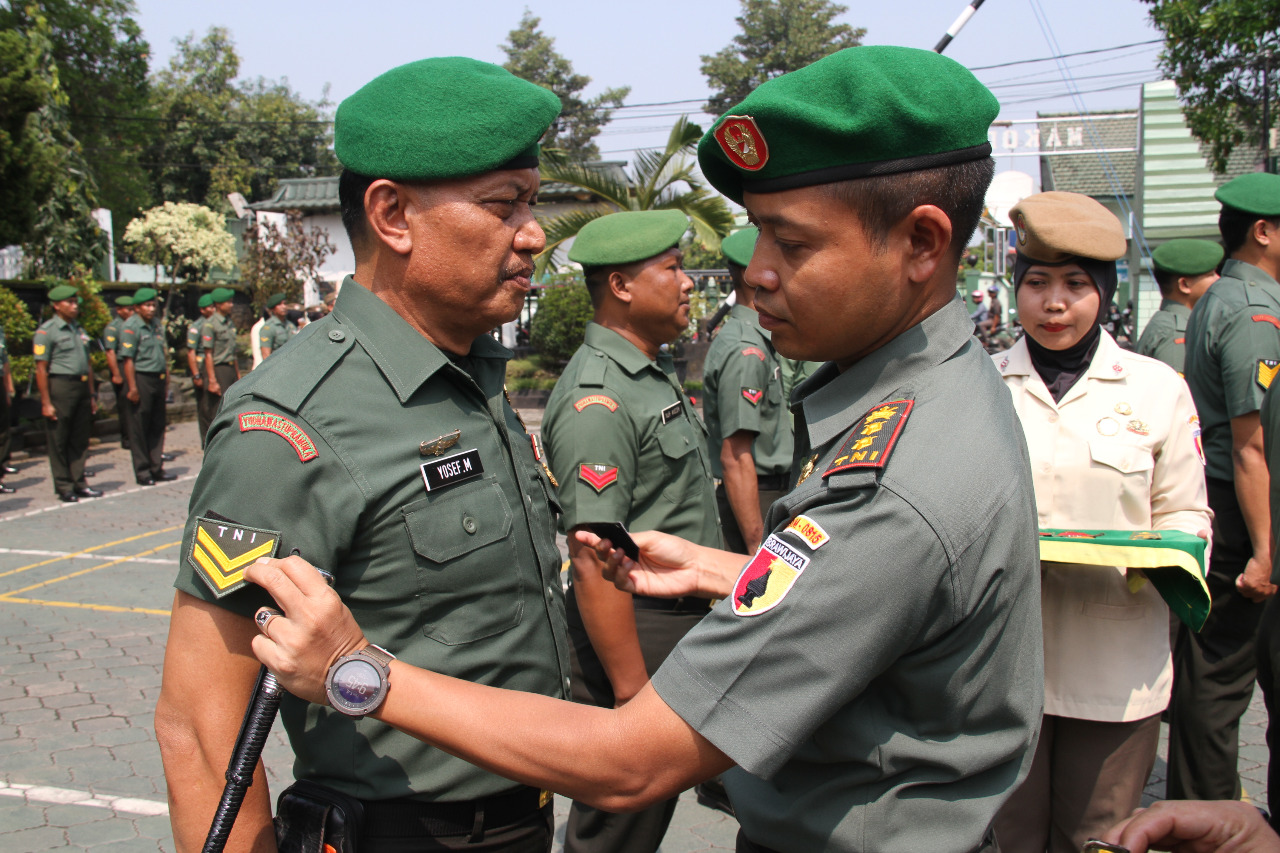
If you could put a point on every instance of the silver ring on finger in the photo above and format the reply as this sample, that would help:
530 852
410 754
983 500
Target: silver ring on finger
263 618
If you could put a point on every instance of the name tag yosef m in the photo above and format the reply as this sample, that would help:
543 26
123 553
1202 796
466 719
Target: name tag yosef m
451 470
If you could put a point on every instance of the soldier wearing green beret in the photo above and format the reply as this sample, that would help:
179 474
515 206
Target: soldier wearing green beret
144 357
6 396
110 346
1233 352
875 670
379 444
218 341
1184 270
748 425
625 444
67 400
275 332
195 362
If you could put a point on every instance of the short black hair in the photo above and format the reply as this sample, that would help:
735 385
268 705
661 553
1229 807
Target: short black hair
1167 279
1235 225
351 189
882 201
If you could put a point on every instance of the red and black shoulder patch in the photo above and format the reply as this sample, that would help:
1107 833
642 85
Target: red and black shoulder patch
283 427
753 395
597 476
756 351
873 438
596 400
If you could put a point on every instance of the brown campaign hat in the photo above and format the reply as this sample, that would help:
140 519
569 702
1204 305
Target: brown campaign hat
1055 226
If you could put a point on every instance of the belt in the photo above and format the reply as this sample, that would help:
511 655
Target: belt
70 377
684 604
745 845
405 818
773 482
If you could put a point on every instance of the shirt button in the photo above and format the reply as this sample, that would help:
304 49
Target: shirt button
1053 419
1045 467
469 524
337 335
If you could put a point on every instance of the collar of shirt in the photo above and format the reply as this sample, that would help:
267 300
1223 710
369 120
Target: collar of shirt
752 318
1175 308
626 354
403 355
59 323
1250 274
1109 364
838 399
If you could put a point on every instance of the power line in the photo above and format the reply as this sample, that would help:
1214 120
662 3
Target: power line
1064 55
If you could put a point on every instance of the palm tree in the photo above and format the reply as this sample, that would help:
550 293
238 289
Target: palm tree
653 184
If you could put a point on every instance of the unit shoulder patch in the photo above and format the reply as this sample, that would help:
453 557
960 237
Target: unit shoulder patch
283 427
755 351
872 438
768 578
809 531
596 400
1266 318
221 550
1267 368
597 476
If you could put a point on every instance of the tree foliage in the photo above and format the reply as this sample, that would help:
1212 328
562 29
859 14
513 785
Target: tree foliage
188 240
282 260
777 36
560 325
1215 53
658 180
532 56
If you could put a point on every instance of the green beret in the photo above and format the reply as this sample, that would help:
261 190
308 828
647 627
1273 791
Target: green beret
1257 193
1053 227
739 245
205 301
276 299
144 294
1187 257
862 111
221 294
61 292
124 301
627 237
447 117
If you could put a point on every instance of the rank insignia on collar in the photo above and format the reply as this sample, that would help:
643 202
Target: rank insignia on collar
283 427
768 578
809 531
873 438
1267 368
752 395
743 143
221 550
596 400
807 469
1137 427
439 445
1266 318
597 476
507 396
756 351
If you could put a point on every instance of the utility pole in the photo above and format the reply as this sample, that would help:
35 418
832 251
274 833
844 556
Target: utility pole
955 28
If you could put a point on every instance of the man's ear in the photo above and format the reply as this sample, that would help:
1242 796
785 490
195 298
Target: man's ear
386 206
1184 286
620 286
925 235
1264 233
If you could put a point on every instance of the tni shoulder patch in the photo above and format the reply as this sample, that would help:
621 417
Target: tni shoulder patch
752 395
283 427
873 438
222 550
597 476
1267 368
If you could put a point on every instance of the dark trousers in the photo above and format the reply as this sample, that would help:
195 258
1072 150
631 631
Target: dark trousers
122 407
1268 668
202 412
146 426
1213 671
67 438
744 845
5 415
226 375
733 540
592 830
533 835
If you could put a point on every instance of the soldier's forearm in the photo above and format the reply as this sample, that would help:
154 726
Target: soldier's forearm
610 622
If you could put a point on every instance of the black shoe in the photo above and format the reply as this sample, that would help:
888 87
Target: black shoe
165 477
712 795
8 469
166 457
86 492
146 481
67 498
6 490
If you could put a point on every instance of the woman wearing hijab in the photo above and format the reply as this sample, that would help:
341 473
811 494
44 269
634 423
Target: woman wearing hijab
1113 440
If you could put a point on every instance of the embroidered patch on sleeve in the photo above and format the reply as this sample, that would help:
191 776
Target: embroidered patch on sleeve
596 400
809 531
873 438
283 427
768 577
597 476
756 351
752 395
1267 368
221 550
39 349
1266 318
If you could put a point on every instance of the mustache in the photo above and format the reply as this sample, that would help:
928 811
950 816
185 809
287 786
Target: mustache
517 271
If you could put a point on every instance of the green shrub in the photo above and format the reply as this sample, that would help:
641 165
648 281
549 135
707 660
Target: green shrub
561 322
692 387
21 366
532 383
19 325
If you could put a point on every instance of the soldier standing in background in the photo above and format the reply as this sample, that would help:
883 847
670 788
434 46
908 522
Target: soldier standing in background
111 346
275 332
1184 270
67 402
218 340
195 362
6 398
145 356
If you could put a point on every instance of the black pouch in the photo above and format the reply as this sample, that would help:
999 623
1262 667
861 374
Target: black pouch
311 818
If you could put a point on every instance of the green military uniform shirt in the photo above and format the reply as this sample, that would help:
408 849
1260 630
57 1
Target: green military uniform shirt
4 351
111 334
743 385
64 345
794 371
1165 336
1233 352
404 472
625 444
144 343
218 335
274 334
194 342
877 673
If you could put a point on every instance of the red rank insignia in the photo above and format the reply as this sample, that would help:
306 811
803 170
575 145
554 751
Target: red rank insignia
767 578
596 400
1266 318
752 395
873 437
743 143
597 476
756 351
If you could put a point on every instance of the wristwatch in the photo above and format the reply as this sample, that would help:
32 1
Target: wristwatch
357 683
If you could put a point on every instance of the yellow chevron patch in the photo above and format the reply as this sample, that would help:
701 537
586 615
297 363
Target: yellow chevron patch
1267 369
221 550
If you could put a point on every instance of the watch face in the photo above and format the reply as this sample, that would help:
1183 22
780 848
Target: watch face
355 683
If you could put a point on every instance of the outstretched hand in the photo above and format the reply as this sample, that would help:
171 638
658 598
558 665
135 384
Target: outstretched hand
1196 826
669 566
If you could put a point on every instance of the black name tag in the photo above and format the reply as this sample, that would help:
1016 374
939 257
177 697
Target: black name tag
440 473
670 412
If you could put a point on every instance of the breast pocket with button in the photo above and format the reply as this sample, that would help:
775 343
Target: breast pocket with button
469 581
679 447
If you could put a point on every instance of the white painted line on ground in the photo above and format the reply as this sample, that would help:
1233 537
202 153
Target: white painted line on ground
76 555
90 501
69 797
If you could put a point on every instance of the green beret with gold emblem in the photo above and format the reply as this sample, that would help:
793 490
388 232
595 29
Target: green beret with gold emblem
124 301
1053 227
446 117
205 301
627 237
739 246
221 294
1187 257
276 299
1257 193
144 294
863 111
61 292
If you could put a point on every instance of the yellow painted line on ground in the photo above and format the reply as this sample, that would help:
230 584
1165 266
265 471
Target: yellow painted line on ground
90 550
109 608
11 594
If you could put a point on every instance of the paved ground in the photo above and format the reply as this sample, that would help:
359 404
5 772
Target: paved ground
84 596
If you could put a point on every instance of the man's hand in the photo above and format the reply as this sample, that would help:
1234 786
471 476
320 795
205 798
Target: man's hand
669 566
133 395
198 381
1254 583
316 628
116 378
47 409
214 387
1196 826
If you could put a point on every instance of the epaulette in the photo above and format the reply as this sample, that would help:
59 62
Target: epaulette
287 379
872 439
592 375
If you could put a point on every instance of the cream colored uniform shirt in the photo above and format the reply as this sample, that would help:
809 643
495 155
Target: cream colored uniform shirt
1119 452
